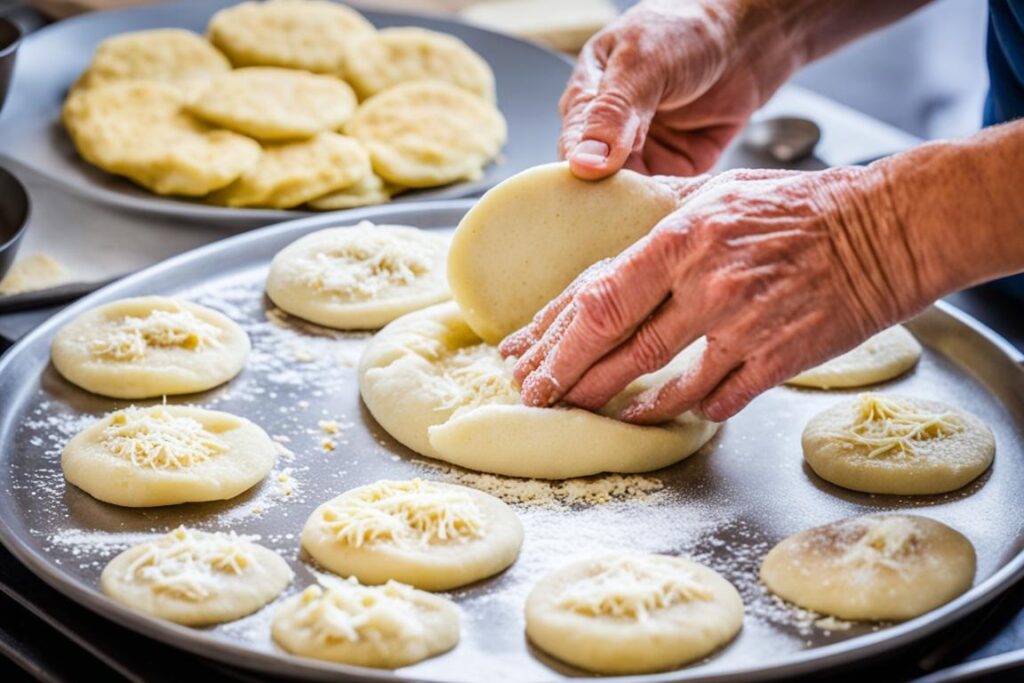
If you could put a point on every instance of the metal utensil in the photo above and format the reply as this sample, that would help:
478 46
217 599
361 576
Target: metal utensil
13 216
785 139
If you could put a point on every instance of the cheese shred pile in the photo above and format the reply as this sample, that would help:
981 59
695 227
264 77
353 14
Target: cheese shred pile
186 564
887 542
366 267
154 437
886 425
397 511
345 610
633 589
131 337
473 376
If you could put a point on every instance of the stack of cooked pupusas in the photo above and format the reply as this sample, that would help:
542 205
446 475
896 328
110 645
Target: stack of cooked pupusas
287 103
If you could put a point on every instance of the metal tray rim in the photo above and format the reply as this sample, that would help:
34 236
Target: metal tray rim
197 642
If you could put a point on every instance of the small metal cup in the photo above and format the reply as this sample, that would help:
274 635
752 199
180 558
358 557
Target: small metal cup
13 218
10 37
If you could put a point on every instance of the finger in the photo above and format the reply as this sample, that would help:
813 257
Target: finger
517 343
604 313
656 342
740 388
685 153
605 126
685 392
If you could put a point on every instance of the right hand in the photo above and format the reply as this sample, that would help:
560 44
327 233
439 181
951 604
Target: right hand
667 85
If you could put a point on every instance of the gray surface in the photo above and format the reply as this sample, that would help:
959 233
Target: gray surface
529 80
726 505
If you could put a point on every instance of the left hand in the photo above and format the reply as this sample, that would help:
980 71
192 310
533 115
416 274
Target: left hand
779 270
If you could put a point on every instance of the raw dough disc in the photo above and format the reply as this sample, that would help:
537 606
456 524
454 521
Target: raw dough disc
295 34
887 355
169 55
564 25
139 129
196 578
166 454
292 173
149 346
888 444
428 133
437 388
366 192
430 535
273 104
386 627
531 235
875 567
631 613
359 277
399 55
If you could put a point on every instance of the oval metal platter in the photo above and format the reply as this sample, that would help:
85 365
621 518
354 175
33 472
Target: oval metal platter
529 80
726 505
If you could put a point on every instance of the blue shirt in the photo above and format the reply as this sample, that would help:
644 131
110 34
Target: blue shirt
1005 61
1005 99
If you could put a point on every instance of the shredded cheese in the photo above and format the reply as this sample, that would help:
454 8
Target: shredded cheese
156 438
345 610
186 564
632 588
887 541
402 511
131 337
364 266
892 426
472 376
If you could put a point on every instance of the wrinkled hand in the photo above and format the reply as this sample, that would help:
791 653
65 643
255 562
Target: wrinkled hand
779 270
664 88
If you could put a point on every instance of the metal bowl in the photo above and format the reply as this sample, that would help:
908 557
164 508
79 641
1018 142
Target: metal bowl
10 38
13 217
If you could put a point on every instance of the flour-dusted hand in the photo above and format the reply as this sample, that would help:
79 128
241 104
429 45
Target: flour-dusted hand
665 87
779 270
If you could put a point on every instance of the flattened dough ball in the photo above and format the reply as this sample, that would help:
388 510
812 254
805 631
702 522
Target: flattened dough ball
140 129
273 104
295 34
899 445
428 133
885 356
874 568
530 236
366 192
196 578
440 390
359 277
385 627
166 454
399 55
292 173
430 535
169 55
149 346
631 613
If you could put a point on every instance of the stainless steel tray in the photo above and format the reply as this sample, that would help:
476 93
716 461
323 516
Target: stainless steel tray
528 77
726 505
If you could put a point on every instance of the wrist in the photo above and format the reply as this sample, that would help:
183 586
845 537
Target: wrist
885 276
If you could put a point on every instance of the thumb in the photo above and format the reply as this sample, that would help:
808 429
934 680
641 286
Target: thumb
604 125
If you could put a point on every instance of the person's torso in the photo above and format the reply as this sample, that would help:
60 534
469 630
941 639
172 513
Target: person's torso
1005 61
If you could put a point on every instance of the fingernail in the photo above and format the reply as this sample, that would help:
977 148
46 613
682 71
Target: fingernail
591 153
538 390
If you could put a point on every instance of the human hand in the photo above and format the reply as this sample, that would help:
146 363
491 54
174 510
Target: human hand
779 270
664 88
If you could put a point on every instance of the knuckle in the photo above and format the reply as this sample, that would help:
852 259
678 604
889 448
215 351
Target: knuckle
599 310
650 351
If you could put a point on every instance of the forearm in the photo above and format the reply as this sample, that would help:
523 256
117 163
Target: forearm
959 209
813 28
